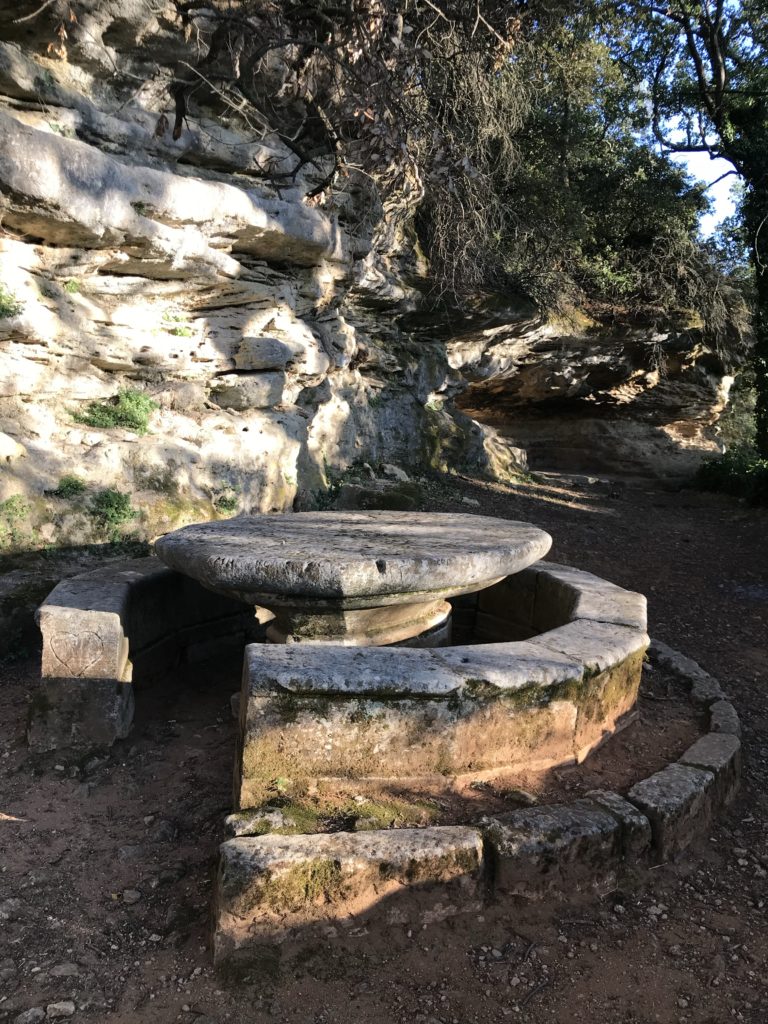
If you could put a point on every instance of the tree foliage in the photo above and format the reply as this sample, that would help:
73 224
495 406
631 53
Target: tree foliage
706 63
508 133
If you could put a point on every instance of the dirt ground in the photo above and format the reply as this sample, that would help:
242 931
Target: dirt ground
105 872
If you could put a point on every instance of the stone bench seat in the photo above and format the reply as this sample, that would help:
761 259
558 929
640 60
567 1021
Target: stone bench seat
311 712
105 629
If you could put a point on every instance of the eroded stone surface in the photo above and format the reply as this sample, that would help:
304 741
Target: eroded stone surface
96 625
271 886
363 627
352 559
719 753
678 803
635 827
564 594
559 848
330 670
303 739
723 717
547 595
596 645
87 197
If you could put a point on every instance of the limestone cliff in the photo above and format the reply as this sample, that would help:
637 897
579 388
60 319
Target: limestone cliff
274 334
586 396
263 329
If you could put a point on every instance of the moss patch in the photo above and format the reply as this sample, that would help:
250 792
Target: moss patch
315 881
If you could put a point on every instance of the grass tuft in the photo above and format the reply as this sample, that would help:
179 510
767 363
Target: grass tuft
129 409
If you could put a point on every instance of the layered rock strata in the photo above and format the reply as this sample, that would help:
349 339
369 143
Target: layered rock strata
282 338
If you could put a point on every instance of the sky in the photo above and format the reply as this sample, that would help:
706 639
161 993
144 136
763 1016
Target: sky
701 166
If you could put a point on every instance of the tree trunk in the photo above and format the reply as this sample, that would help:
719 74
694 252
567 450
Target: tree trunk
757 222
760 359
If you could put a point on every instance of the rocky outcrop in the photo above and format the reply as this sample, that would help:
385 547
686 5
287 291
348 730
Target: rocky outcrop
584 396
261 329
277 339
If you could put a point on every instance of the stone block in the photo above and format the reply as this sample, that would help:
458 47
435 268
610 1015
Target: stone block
333 670
705 689
723 717
595 645
263 354
316 712
85 696
556 849
241 391
635 827
380 494
564 594
719 753
91 623
511 666
79 715
272 888
678 803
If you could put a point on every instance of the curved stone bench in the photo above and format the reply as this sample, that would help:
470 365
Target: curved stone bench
310 712
278 894
104 628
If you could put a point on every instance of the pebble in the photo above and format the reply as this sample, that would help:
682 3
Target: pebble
131 896
57 1011
10 910
129 852
163 832
173 874
32 1016
7 970
65 971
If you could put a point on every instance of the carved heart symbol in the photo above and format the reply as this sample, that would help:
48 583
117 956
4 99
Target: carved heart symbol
77 652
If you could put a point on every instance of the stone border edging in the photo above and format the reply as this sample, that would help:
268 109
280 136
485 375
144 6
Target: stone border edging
532 852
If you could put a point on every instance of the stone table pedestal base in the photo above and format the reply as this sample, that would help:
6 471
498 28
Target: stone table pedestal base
423 624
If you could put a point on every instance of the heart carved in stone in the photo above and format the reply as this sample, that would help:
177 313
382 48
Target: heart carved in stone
77 652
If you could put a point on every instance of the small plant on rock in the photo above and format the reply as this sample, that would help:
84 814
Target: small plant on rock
111 509
176 324
72 286
9 304
69 487
13 512
130 409
226 503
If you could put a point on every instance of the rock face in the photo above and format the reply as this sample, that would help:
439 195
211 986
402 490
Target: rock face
258 325
280 338
586 397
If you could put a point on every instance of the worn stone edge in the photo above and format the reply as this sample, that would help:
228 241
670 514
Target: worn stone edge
635 835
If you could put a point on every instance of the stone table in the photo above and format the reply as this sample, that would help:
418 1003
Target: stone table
356 578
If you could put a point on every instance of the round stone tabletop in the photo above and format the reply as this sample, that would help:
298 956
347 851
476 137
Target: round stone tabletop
352 559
